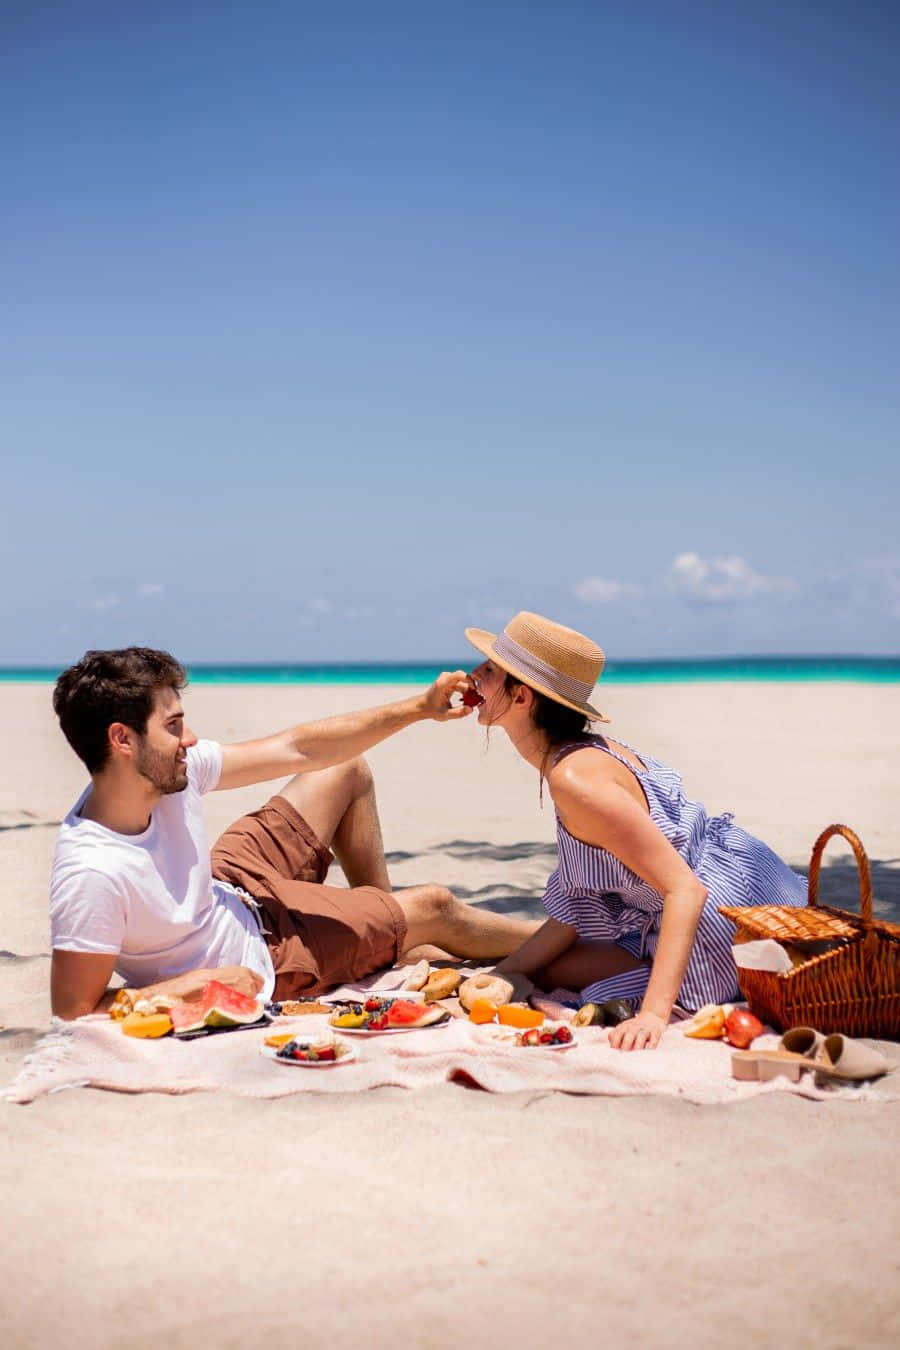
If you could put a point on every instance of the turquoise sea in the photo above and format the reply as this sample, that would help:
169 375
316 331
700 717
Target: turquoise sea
777 669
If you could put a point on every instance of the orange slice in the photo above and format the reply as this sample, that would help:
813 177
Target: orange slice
281 1039
517 1015
482 1010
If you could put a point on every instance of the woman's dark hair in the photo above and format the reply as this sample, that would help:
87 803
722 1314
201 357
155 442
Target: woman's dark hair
559 723
107 687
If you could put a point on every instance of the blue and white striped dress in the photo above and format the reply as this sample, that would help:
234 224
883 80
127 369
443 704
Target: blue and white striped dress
607 902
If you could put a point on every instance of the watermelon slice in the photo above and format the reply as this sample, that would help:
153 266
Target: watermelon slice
405 1013
217 1006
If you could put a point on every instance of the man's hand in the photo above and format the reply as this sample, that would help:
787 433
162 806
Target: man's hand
436 699
318 745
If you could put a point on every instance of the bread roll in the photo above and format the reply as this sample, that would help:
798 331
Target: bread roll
416 978
441 984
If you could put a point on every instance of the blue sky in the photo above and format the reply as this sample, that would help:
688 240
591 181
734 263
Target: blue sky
329 329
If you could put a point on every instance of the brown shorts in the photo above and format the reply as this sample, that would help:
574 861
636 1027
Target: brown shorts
318 936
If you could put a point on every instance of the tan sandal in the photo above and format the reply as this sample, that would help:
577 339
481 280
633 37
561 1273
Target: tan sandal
804 1041
839 1058
763 1065
842 1057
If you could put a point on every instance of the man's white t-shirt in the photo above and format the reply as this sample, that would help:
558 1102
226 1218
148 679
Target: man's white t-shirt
150 899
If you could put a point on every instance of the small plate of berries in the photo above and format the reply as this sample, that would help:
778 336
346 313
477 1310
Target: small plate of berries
550 1036
307 1053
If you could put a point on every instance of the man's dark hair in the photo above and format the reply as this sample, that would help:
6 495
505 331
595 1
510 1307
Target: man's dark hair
107 687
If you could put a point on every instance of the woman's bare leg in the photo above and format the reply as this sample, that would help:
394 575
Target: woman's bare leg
585 963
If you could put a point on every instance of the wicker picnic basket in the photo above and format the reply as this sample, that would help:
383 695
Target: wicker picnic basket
852 988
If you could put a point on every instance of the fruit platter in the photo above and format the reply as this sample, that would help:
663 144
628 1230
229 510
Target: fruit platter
379 1015
307 1052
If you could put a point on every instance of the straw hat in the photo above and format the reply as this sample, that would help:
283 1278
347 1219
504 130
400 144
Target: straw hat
554 660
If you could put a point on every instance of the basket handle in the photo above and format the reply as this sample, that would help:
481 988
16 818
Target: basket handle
862 863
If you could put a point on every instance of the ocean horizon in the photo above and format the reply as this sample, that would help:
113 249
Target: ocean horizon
772 669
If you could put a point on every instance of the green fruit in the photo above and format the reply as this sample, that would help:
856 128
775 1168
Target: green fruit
588 1015
616 1011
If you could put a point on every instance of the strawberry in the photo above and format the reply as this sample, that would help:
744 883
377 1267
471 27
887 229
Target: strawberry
563 1035
471 698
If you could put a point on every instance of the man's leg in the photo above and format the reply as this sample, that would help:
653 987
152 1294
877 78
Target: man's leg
338 804
434 916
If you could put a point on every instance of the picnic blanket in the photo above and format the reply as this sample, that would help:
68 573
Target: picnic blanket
93 1052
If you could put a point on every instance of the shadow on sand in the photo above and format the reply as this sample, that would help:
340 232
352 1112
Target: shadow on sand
838 883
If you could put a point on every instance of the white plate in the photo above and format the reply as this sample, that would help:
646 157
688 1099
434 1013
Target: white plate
500 1035
386 996
390 1031
271 1052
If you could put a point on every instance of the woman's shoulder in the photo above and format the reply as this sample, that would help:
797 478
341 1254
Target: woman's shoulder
581 780
576 770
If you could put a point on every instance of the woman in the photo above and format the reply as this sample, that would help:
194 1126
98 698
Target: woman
634 902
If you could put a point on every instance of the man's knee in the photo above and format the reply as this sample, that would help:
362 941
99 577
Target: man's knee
434 903
358 775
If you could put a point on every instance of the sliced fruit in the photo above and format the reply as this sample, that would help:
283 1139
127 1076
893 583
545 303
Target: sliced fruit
707 1024
404 1013
517 1015
217 1006
276 1042
348 1019
147 1026
482 1010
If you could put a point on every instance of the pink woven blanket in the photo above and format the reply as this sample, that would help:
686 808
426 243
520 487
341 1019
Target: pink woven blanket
93 1052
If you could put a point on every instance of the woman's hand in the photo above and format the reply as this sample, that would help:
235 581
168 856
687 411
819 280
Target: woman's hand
641 1032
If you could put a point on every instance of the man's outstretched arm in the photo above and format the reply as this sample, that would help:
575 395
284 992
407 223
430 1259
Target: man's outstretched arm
318 745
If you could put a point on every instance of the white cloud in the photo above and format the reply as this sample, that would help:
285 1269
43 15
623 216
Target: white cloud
721 580
320 605
105 602
601 591
147 588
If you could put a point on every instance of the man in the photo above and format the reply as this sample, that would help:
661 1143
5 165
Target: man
135 891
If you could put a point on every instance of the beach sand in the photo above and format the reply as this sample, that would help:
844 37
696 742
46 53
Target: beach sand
449 1215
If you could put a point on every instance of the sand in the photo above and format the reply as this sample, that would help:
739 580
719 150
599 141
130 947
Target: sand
447 1215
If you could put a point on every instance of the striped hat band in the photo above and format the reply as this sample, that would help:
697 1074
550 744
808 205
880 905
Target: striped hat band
532 667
